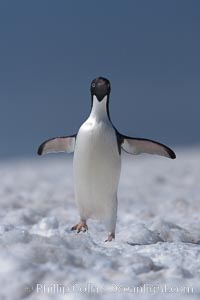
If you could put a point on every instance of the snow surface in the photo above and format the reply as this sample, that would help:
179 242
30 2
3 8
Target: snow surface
157 240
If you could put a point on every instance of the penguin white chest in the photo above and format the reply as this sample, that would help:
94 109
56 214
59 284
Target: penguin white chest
97 166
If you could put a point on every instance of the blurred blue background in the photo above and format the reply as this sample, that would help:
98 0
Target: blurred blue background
51 50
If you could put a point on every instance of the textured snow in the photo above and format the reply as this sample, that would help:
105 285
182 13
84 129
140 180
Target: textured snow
157 240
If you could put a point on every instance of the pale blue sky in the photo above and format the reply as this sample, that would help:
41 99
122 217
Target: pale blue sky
51 50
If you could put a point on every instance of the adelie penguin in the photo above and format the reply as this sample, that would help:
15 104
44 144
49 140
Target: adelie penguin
97 151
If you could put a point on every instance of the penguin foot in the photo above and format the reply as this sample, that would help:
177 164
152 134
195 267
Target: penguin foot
111 236
81 226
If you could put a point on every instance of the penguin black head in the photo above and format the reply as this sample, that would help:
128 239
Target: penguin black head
100 87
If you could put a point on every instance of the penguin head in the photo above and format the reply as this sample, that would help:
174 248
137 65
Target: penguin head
100 87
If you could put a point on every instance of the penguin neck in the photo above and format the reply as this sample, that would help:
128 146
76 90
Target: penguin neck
100 109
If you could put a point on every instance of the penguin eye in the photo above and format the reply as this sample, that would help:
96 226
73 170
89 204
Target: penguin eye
93 84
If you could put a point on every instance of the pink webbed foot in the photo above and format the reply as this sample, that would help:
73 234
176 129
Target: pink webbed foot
81 226
110 237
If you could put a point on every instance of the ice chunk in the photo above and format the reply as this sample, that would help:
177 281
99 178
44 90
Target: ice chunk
46 227
171 232
139 234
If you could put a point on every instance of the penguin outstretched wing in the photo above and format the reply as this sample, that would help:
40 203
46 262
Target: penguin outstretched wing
58 144
136 146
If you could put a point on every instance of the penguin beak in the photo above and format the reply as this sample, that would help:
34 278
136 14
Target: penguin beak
101 92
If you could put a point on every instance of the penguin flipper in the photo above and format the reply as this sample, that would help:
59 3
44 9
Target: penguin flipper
139 145
58 144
